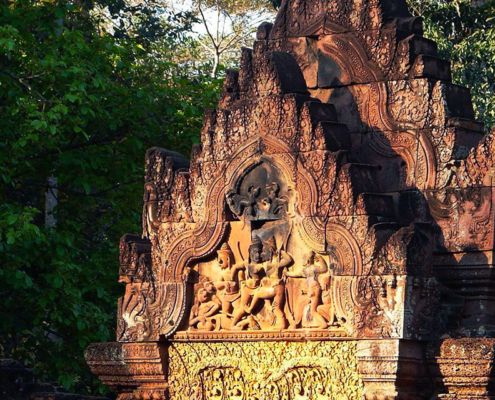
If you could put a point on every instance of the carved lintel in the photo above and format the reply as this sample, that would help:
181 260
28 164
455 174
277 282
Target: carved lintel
292 370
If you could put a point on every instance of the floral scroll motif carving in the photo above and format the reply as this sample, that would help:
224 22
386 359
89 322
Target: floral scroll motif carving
263 370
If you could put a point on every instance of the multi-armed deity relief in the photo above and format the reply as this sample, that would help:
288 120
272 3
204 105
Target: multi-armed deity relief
335 221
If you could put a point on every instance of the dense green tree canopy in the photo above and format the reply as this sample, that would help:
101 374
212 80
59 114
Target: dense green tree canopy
81 106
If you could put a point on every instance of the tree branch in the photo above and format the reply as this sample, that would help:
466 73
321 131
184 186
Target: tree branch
206 27
26 85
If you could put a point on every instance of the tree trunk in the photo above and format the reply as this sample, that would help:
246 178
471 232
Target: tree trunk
216 64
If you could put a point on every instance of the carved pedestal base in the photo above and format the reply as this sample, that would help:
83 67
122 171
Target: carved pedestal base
392 370
463 368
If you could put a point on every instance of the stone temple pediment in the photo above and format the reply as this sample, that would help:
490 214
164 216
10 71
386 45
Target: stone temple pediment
331 237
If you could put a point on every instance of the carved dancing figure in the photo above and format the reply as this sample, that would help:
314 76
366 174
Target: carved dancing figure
253 268
272 286
265 267
314 266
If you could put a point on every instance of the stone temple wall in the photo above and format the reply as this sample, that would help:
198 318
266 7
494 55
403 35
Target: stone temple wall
330 238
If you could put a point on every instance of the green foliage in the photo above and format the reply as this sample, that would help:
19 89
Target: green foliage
237 6
465 33
82 106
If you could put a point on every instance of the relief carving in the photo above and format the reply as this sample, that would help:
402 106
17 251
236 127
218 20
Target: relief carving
341 179
205 308
264 370
259 232
259 197
317 306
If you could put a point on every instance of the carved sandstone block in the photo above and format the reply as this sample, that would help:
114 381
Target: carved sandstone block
462 368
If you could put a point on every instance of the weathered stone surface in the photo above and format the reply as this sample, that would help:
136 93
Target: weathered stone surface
340 202
463 368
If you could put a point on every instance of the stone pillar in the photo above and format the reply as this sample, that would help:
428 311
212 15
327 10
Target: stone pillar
393 369
462 369
137 371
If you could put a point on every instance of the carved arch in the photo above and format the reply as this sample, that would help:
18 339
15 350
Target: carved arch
346 249
350 55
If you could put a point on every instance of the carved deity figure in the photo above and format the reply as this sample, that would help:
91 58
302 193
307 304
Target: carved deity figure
272 204
204 309
315 270
263 283
227 279
327 309
244 207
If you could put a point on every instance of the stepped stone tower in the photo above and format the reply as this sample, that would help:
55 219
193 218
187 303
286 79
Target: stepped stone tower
331 236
